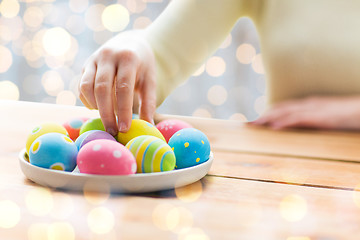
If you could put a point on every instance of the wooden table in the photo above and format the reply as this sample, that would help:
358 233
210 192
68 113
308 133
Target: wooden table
264 184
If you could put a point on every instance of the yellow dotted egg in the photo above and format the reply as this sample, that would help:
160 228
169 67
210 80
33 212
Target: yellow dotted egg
41 130
138 128
152 154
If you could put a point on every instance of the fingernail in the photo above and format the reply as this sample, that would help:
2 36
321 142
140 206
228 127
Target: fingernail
111 131
122 127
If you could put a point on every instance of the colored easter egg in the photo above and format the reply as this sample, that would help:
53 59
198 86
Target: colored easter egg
106 157
92 124
53 151
73 127
138 128
41 130
191 147
152 154
92 135
170 126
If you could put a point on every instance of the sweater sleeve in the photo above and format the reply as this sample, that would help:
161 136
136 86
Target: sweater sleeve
185 34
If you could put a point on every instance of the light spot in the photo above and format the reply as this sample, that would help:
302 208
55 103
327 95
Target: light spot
117 154
178 134
186 144
189 193
9 8
60 231
78 6
198 160
260 105
173 148
101 220
52 83
9 90
96 147
58 166
238 117
202 141
93 17
194 151
245 53
202 112
293 208
36 129
215 66
56 41
141 23
66 98
257 64
9 214
217 95
33 16
39 201
102 165
115 18
6 59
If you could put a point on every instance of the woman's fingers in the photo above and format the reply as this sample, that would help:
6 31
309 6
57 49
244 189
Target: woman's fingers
86 86
103 88
147 94
124 89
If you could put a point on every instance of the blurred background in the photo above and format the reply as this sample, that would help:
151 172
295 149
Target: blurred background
44 43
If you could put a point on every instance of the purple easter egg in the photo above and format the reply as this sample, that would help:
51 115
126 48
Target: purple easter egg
93 135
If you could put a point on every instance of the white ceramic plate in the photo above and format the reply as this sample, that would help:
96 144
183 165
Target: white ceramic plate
137 183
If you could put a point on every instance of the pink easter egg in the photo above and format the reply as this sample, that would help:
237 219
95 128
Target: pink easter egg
170 126
106 157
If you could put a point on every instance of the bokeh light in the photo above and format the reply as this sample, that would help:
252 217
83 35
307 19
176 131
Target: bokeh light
57 41
135 6
61 231
52 83
194 234
115 18
257 64
78 6
9 91
93 17
6 59
142 22
189 193
66 98
75 24
245 53
238 117
38 231
9 214
200 71
64 206
202 112
9 8
260 104
215 66
101 220
33 17
293 208
217 95
39 201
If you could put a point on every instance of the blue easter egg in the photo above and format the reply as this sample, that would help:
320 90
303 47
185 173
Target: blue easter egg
191 147
53 151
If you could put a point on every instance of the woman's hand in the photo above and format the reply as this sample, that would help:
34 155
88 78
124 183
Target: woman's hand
314 112
119 73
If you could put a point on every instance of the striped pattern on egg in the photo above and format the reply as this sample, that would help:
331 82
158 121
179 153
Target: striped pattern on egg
152 154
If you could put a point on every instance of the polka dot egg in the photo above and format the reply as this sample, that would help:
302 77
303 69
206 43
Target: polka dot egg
152 154
43 129
106 157
73 127
138 128
191 147
53 151
92 135
170 126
